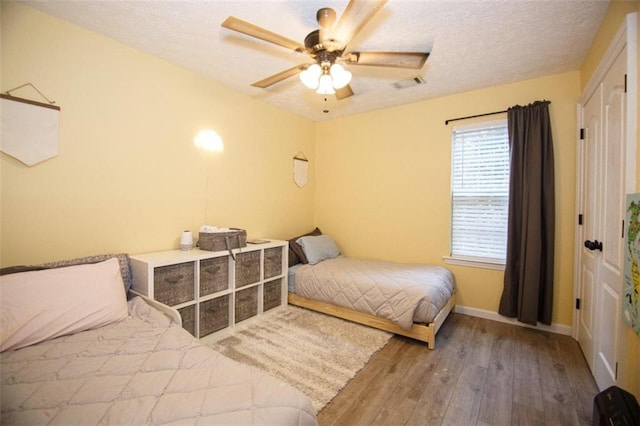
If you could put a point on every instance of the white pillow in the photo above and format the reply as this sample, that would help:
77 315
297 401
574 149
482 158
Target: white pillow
40 305
318 248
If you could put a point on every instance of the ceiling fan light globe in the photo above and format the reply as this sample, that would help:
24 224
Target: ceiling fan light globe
311 83
341 77
326 85
310 76
336 69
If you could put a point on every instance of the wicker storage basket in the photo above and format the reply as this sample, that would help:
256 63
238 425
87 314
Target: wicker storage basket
174 284
214 315
188 314
214 275
246 304
247 268
272 262
219 241
272 294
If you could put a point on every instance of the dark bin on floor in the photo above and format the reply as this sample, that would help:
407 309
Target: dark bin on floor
615 407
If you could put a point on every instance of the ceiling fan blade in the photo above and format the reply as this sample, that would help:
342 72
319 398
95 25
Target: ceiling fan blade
413 60
354 18
345 92
326 17
276 78
244 27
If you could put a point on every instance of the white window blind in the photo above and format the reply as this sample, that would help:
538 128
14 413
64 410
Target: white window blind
480 191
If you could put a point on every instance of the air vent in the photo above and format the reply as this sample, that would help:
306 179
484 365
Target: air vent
403 84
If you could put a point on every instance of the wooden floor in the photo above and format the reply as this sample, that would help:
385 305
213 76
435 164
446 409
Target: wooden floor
481 373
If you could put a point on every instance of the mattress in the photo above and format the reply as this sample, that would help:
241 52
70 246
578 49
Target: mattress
401 293
142 370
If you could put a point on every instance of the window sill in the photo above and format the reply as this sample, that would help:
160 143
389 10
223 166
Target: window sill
474 262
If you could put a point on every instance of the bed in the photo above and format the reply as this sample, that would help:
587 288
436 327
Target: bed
407 299
75 351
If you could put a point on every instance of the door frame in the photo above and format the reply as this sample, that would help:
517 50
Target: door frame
626 36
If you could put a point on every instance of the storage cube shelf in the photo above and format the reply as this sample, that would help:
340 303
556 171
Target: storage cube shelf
214 275
173 284
272 262
211 291
214 315
247 268
272 294
188 314
246 303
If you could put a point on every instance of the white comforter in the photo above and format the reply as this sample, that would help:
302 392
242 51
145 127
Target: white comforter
142 370
402 293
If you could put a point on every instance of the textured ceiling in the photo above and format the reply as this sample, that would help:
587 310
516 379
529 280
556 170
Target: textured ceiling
473 44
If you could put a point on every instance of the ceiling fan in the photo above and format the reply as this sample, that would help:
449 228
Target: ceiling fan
328 45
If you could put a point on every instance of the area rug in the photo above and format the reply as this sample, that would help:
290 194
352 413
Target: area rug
316 353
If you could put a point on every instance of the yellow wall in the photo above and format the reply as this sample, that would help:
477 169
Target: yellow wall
629 368
383 183
128 177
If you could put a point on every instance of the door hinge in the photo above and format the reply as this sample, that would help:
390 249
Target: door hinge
616 371
622 234
578 303
580 219
625 83
581 134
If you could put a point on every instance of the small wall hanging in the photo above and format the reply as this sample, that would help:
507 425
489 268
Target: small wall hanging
29 129
300 169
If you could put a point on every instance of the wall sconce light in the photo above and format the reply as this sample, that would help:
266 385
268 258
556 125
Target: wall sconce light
209 140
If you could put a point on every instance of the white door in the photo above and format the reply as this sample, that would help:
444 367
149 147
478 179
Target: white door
591 147
602 260
611 265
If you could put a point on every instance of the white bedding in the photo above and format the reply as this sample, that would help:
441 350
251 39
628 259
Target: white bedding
142 370
402 293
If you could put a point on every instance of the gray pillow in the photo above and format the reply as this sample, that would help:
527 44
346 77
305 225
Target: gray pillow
296 254
123 260
318 248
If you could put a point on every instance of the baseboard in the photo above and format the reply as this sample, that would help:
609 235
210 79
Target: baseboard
494 316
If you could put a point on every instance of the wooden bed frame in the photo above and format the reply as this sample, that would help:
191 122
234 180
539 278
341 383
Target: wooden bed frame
423 332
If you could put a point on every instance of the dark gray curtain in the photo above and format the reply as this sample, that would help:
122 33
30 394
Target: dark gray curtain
528 276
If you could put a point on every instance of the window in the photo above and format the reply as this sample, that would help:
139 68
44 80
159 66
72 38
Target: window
480 194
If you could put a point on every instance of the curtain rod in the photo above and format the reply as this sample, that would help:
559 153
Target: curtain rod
473 116
489 113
